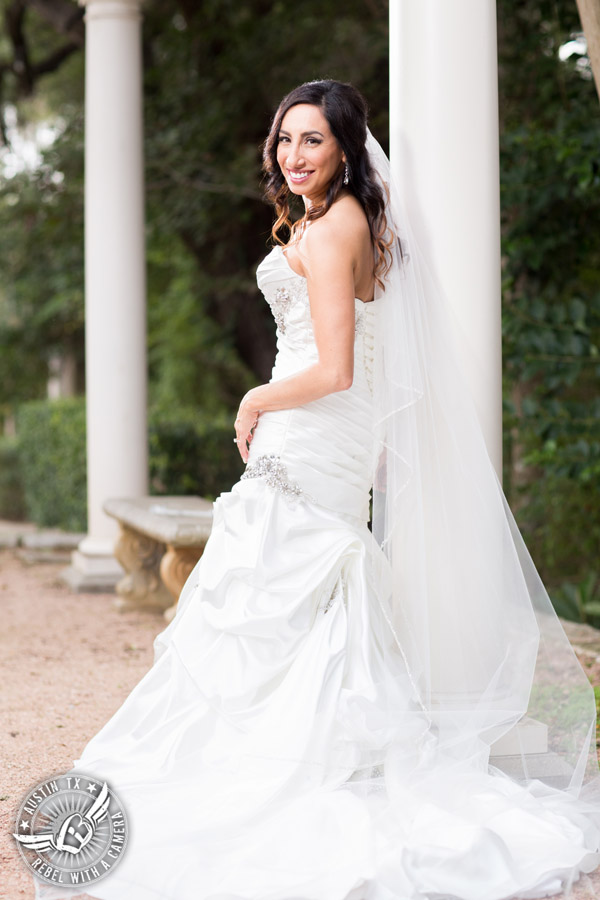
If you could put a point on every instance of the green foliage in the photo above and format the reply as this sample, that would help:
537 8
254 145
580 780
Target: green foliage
192 363
12 498
579 602
41 271
52 461
190 453
550 183
213 74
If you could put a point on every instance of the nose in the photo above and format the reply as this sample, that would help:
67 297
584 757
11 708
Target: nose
295 157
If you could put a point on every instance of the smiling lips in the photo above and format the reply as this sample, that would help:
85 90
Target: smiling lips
299 177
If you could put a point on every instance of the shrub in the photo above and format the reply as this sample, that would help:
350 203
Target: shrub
51 435
12 497
190 454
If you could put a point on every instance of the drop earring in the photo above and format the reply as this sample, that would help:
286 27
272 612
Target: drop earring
346 174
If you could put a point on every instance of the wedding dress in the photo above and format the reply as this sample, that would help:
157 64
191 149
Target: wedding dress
278 748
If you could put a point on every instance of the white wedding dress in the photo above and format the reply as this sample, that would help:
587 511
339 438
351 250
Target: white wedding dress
273 751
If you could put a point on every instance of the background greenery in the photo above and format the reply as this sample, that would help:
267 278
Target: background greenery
550 191
213 73
47 472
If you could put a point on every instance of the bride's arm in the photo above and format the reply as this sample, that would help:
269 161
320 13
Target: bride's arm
329 266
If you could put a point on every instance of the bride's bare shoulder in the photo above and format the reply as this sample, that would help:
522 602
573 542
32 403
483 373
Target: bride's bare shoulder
344 226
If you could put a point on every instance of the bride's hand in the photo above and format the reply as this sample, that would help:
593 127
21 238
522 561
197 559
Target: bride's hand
245 423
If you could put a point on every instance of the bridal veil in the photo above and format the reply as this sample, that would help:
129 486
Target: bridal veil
497 686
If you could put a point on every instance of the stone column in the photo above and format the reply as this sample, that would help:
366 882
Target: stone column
444 151
115 288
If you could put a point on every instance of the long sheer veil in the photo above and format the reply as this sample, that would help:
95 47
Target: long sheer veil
497 686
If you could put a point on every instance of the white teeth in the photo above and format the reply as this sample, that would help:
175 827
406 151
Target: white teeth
298 175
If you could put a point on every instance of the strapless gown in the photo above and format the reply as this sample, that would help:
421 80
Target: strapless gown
251 758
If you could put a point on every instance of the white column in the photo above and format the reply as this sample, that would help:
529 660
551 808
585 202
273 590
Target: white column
444 151
115 286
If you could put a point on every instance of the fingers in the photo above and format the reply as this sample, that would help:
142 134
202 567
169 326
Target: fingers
244 435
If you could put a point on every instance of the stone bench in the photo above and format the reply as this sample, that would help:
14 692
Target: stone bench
161 540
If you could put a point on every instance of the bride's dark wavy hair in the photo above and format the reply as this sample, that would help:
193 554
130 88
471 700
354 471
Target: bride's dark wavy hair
345 109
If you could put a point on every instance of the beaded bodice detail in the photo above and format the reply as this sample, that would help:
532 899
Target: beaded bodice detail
282 300
286 292
270 467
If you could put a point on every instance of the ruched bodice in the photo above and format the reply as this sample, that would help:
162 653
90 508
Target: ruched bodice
322 450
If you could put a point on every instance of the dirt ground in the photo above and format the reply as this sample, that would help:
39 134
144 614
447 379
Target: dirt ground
67 662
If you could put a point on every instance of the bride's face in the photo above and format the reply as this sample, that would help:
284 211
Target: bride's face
308 154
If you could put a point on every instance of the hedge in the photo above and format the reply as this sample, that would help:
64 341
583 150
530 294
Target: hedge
189 454
51 435
12 497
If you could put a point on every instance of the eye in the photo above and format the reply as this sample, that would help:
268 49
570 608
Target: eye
312 140
281 138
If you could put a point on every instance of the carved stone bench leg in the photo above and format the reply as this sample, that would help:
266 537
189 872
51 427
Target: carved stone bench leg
141 588
175 568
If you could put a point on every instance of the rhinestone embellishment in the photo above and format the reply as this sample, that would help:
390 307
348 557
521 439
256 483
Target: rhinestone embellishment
270 467
359 322
280 305
336 592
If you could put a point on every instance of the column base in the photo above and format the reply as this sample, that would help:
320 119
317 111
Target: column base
523 753
93 568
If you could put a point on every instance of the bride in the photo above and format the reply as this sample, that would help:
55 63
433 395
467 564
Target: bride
354 701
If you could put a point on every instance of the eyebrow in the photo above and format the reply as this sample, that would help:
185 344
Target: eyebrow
304 133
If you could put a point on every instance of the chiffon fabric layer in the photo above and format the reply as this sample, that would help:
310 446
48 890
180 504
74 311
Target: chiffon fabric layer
280 747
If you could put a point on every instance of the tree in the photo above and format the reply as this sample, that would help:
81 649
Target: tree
213 73
551 291
36 23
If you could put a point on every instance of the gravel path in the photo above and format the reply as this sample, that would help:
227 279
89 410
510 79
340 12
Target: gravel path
67 662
